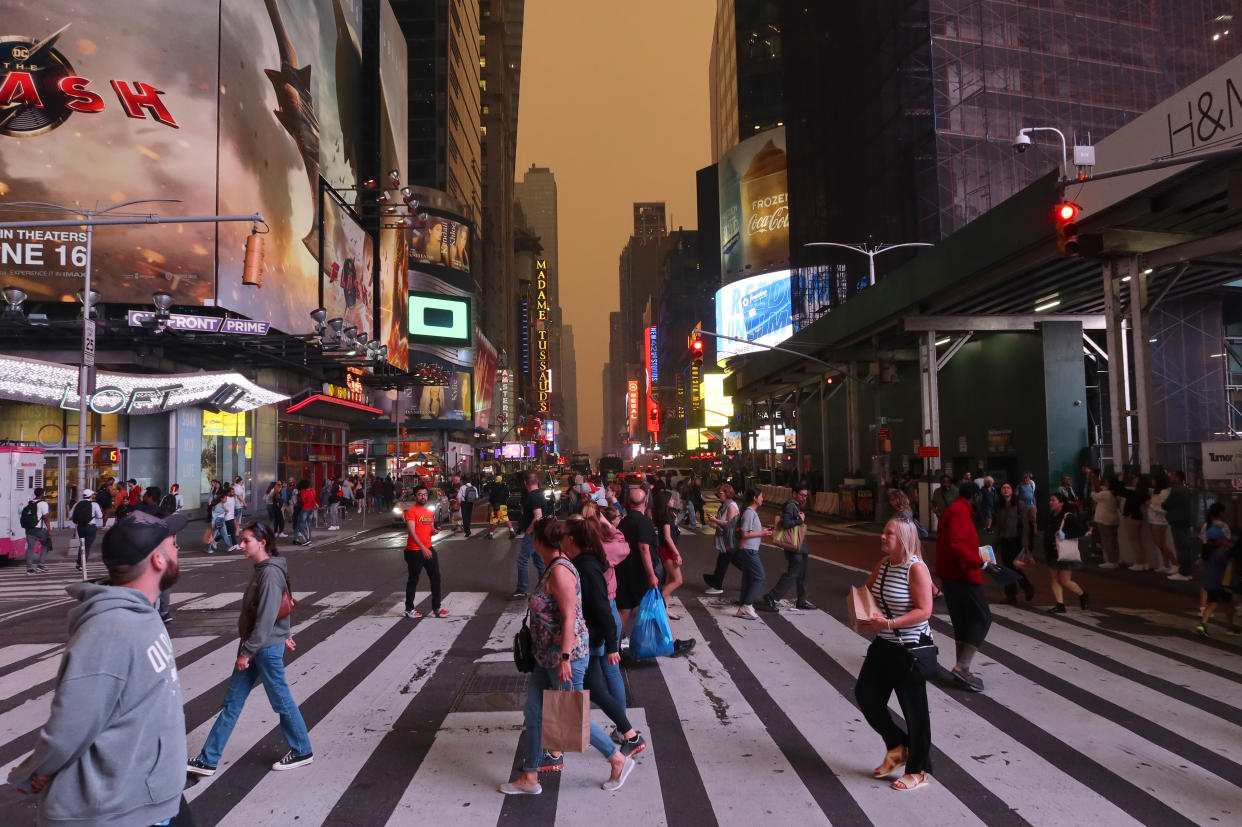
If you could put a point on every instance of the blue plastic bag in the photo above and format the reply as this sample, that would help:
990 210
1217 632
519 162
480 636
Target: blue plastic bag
652 636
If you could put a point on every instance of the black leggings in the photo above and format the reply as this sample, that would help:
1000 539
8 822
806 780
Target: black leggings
601 696
887 669
277 515
1010 548
415 562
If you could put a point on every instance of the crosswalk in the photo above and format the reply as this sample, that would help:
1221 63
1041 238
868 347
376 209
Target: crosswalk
420 721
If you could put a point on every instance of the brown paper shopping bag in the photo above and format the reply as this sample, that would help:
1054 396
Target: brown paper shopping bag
566 720
861 605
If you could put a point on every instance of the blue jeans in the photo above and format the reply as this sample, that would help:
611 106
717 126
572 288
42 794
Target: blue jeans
542 679
305 517
267 666
218 533
752 574
523 563
87 534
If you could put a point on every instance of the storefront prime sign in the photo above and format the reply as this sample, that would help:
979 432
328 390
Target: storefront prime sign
202 324
50 383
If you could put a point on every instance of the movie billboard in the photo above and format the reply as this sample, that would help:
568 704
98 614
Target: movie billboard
348 257
394 128
756 309
95 111
485 363
289 113
754 206
441 241
449 402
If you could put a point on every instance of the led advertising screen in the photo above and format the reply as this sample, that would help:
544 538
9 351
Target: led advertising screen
717 407
755 309
394 154
449 402
348 258
436 318
289 113
96 111
485 362
754 206
443 241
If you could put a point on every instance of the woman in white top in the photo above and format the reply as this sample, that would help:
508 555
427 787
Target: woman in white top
901 586
1107 519
1158 523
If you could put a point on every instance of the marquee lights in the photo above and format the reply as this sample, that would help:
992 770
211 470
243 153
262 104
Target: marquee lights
31 380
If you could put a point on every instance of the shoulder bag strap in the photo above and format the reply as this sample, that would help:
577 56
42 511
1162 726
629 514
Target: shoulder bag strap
884 603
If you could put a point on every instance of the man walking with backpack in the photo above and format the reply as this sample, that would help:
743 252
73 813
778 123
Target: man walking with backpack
35 521
84 516
467 495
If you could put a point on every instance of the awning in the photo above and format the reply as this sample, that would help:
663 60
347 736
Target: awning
329 407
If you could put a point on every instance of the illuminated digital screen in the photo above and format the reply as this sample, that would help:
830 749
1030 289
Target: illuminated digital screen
441 319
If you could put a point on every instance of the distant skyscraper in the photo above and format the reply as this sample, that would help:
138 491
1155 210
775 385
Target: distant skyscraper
442 43
536 193
745 71
649 220
569 390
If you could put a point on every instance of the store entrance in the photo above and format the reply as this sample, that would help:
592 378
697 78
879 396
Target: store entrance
60 479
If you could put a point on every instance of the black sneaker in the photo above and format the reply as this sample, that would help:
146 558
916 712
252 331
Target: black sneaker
767 604
166 618
966 679
518 594
682 647
632 746
1083 600
1058 609
199 767
1028 591
292 762
551 763
805 605
711 581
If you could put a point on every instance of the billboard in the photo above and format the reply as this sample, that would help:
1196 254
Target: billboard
717 407
394 154
451 402
443 241
485 362
755 309
439 320
348 259
97 111
754 206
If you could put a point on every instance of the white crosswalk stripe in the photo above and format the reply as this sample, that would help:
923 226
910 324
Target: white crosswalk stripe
724 702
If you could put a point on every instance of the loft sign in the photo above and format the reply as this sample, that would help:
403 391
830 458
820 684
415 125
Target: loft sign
111 399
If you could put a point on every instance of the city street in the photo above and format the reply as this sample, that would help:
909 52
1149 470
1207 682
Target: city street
1112 716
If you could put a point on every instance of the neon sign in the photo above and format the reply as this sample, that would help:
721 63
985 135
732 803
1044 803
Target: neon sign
543 324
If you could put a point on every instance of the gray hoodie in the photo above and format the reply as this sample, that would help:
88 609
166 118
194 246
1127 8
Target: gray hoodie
261 604
114 742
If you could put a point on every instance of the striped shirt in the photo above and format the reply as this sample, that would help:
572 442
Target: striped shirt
891 591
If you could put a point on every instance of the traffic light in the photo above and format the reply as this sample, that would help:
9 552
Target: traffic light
1065 216
696 346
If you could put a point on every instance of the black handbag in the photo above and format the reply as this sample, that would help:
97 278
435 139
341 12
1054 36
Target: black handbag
924 654
524 648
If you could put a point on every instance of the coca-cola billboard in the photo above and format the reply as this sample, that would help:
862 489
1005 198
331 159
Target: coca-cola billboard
754 206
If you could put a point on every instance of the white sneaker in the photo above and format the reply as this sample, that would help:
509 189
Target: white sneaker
1138 567
1179 577
710 590
1169 570
626 769
748 612
282 534
1107 566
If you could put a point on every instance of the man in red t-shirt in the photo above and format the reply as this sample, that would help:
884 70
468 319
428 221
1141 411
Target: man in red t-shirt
419 553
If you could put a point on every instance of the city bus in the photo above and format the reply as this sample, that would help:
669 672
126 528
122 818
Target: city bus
580 463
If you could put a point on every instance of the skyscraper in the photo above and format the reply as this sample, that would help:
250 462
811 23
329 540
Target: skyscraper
745 71
442 47
536 194
649 220
569 391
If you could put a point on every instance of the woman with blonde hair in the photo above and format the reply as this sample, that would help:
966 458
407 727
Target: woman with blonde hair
902 588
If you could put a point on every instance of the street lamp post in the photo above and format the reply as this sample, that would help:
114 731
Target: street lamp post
89 219
870 252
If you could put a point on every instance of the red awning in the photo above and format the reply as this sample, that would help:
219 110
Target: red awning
329 407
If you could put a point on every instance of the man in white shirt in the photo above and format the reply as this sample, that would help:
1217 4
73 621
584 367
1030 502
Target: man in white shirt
38 535
230 523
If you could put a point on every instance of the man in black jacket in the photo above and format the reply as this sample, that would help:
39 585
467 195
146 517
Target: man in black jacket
792 515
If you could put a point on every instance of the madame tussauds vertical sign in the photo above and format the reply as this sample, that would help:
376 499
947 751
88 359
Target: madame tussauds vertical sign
543 325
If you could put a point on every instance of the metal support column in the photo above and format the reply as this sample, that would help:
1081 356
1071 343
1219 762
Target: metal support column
1142 365
772 436
798 419
823 431
851 422
1116 365
930 390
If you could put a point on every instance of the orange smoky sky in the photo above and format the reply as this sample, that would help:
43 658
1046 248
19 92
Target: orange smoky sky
614 100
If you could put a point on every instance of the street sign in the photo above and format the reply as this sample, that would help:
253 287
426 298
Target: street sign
929 451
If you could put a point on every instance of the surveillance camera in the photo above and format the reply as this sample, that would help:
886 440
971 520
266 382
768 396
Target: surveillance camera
1022 142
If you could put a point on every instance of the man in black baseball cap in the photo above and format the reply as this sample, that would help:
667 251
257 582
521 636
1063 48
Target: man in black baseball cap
117 694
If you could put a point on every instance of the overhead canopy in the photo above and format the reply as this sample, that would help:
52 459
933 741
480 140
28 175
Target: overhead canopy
329 407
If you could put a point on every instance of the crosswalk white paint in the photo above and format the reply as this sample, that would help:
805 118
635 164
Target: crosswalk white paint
473 752
343 740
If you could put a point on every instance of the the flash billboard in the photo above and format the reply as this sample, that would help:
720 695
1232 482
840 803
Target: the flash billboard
346 267
754 206
755 309
394 153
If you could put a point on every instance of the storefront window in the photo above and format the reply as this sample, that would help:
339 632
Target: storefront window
226 448
309 451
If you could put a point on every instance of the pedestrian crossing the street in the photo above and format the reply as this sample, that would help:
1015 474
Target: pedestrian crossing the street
419 720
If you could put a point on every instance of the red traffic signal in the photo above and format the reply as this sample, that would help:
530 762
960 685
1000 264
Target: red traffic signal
1065 215
697 346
